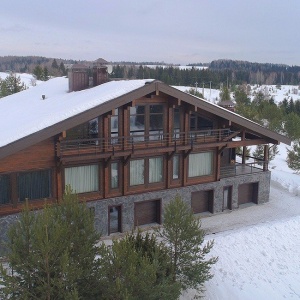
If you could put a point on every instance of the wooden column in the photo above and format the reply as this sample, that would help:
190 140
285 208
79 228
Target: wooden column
218 164
266 157
244 155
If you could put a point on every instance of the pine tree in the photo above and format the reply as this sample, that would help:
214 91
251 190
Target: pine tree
45 75
183 234
225 94
10 85
138 267
54 64
52 253
258 153
62 68
38 72
273 151
293 157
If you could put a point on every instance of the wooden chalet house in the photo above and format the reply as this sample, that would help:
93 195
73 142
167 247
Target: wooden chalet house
126 147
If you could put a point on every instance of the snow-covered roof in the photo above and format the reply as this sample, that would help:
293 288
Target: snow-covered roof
26 112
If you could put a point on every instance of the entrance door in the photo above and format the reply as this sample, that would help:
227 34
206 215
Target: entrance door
114 219
227 192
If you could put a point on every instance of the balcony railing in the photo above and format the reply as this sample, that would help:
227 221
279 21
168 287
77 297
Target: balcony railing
242 169
138 140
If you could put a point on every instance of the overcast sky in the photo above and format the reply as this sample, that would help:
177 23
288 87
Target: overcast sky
173 31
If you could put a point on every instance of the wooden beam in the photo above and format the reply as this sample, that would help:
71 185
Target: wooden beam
234 144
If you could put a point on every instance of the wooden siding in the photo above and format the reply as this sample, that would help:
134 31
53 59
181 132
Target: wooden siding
38 156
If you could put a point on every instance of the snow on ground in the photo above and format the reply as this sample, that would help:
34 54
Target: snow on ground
258 245
278 93
27 79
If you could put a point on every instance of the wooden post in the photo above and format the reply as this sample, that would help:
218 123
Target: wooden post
244 155
266 157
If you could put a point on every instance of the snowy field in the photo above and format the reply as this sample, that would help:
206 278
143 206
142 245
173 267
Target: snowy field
27 79
258 246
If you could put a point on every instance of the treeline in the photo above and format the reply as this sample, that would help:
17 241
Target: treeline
189 77
27 64
231 72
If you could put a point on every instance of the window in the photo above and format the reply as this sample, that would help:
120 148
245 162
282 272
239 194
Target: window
114 126
114 175
86 130
176 122
137 172
83 179
155 169
198 122
144 171
200 164
146 120
34 185
4 189
156 117
137 122
176 167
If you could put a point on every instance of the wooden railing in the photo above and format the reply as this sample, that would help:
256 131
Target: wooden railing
139 141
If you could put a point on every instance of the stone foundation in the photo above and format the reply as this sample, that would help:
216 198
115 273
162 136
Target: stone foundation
127 202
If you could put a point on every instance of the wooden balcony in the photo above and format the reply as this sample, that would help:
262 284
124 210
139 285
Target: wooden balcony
237 169
138 143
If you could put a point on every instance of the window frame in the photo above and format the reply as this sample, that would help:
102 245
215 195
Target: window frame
99 174
50 184
191 177
147 183
147 121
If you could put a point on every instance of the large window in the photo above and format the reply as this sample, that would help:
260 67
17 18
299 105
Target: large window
137 122
114 175
34 185
114 126
86 130
144 171
137 167
146 120
83 179
176 122
200 164
155 169
198 122
176 167
4 189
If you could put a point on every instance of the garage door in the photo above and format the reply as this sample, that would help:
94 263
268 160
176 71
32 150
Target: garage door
248 192
147 212
202 201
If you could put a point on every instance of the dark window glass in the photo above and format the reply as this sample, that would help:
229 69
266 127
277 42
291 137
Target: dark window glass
4 189
199 123
34 185
87 130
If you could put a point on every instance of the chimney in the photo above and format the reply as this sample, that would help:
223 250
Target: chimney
228 104
100 74
78 78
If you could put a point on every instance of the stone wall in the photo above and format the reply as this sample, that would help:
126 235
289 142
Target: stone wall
127 202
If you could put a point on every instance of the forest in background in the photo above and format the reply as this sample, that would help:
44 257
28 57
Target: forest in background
222 71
